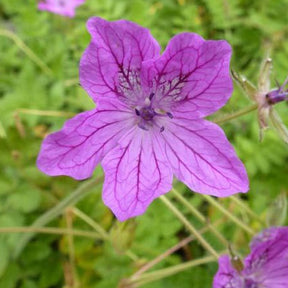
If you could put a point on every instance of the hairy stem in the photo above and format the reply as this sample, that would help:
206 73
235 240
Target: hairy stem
50 230
100 230
71 82
233 218
45 112
22 46
162 256
91 223
166 272
235 115
246 208
200 216
189 226
71 249
167 253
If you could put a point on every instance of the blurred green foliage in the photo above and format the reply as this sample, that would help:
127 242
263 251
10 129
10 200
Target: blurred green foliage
252 28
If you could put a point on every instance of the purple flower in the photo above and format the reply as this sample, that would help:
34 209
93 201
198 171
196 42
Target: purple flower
266 266
62 7
148 122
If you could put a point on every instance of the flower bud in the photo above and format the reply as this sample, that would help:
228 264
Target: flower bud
235 260
237 263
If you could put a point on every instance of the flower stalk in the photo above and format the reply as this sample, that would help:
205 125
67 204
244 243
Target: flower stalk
200 216
189 226
234 219
22 46
91 223
243 206
50 230
73 278
237 114
104 235
167 253
166 272
44 112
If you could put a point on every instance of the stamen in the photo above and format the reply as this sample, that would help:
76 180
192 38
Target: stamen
169 115
151 96
137 112
141 125
147 101
162 129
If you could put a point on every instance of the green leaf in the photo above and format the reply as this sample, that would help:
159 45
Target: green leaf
26 199
52 274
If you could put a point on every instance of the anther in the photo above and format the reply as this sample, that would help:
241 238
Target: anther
137 112
162 129
169 115
151 96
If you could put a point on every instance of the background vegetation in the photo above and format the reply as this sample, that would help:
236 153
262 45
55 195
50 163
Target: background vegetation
39 56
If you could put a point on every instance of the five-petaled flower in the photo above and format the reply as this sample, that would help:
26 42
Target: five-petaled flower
62 7
148 122
266 266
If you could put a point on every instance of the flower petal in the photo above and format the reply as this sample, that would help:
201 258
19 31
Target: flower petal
203 159
226 276
65 8
269 258
112 61
136 173
85 139
192 74
264 236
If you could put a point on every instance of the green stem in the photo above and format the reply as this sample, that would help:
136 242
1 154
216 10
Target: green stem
162 256
189 226
22 46
50 230
132 255
44 219
100 230
71 247
71 82
200 216
165 254
45 112
228 214
91 223
243 206
235 115
166 272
